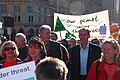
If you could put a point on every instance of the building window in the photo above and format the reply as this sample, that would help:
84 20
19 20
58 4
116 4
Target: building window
45 0
45 10
39 9
30 18
60 9
17 18
45 14
30 8
45 19
39 19
2 8
16 8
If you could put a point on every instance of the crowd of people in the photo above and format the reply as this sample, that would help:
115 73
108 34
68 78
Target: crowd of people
64 60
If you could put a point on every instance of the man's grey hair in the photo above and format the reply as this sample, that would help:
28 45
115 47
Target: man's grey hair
20 35
44 27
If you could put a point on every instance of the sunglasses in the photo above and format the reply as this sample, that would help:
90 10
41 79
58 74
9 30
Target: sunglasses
8 48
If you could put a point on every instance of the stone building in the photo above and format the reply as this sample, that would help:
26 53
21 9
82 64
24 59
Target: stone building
29 15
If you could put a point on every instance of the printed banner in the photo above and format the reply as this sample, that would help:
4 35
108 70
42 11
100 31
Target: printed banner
97 23
23 71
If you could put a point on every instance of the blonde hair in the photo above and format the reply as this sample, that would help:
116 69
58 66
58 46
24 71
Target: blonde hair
4 46
115 45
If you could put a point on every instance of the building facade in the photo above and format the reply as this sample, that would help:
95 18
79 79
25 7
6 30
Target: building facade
29 15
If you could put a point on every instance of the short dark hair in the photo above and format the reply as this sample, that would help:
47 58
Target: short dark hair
51 69
85 30
54 33
35 40
95 41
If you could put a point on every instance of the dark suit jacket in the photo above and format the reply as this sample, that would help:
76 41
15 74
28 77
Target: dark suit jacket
23 52
57 50
94 53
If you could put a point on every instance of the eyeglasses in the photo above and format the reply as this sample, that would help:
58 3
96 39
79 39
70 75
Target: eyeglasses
8 48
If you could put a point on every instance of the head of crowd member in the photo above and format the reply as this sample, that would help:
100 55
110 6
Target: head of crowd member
20 40
95 41
3 39
51 69
108 66
54 36
45 31
9 52
72 42
84 35
110 50
36 49
65 43
9 49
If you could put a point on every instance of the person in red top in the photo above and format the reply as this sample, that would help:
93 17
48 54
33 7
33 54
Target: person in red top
108 66
36 50
9 52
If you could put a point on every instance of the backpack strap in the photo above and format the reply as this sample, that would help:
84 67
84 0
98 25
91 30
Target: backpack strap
61 51
97 71
18 61
2 63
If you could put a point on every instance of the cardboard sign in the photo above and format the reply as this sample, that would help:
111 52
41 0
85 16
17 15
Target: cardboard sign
95 22
23 71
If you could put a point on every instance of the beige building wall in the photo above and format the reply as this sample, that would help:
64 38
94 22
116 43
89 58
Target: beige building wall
51 8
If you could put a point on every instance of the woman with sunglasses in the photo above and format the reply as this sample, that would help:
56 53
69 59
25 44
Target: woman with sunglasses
36 50
108 66
9 52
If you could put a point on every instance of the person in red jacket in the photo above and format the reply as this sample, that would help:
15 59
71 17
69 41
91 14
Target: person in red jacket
108 66
9 52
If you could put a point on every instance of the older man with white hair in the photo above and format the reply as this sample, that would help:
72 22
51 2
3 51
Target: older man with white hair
54 49
21 42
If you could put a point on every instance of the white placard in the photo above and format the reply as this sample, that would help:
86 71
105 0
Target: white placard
23 71
94 22
0 24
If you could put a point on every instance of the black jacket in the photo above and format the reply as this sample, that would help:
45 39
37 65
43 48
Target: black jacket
93 54
57 50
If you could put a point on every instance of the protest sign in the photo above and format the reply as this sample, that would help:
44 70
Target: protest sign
97 23
23 71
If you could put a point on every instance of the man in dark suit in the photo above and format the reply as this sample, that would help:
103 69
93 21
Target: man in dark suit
83 55
53 48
